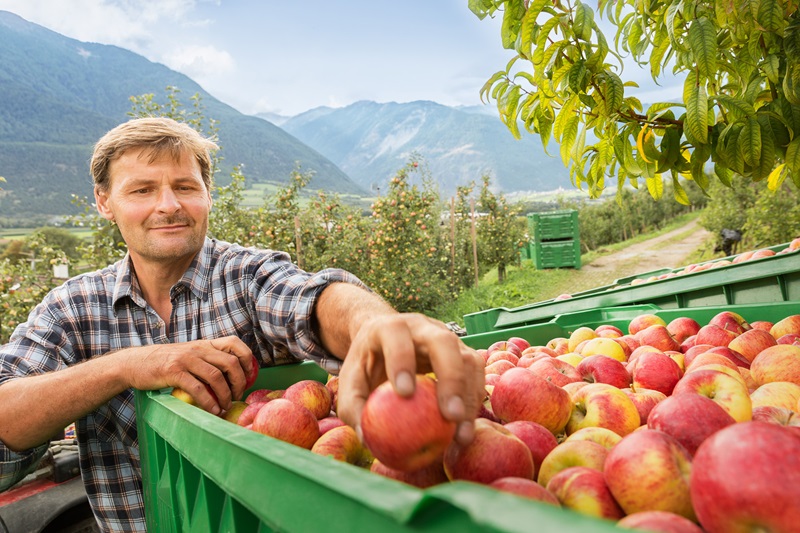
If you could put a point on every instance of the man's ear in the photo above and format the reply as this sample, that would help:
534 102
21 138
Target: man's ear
101 201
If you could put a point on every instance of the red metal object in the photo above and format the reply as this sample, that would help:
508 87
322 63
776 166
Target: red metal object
25 491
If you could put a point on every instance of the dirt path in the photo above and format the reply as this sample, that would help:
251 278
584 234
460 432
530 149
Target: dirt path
669 250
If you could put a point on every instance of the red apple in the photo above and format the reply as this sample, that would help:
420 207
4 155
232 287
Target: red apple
644 400
711 358
730 321
682 328
535 350
572 453
249 414
644 321
602 436
659 522
689 418
603 405
730 393
777 394
584 490
555 371
502 355
790 324
649 471
655 371
752 342
258 395
491 379
287 421
250 378
328 423
608 328
733 355
630 341
504 346
603 369
659 337
694 351
425 477
499 367
789 338
312 395
688 342
777 415
522 395
341 443
762 324
494 453
538 439
527 488
406 433
714 335
778 363
560 345
746 477
519 342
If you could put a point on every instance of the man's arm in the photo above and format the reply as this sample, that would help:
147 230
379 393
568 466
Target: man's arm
378 343
34 408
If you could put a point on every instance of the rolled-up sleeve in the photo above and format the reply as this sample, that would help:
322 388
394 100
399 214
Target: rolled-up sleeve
15 466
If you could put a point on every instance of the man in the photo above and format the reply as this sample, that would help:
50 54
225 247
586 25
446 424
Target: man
184 310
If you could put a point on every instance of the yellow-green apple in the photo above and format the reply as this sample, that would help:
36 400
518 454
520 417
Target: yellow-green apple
581 334
341 443
311 394
714 335
504 345
694 351
584 490
328 423
527 488
609 329
766 325
560 345
730 321
333 387
658 522
572 358
789 338
277 393
689 418
571 388
603 346
499 367
573 453
746 477
653 370
502 355
538 439
184 396
790 324
677 357
725 369
627 348
778 363
555 371
649 470
494 453
249 413
726 390
519 342
643 321
534 350
604 369
605 406
778 415
522 395
431 475
752 342
287 421
644 400
659 337
258 395
777 394
711 358
748 379
602 436
683 327
406 433
234 412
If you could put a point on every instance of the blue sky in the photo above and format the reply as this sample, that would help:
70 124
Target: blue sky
287 57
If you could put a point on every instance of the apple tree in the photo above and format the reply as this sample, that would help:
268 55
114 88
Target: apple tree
740 110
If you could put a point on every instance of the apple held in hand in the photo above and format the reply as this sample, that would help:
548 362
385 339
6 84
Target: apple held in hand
236 410
287 421
253 374
494 453
522 395
649 471
746 477
406 433
689 418
584 490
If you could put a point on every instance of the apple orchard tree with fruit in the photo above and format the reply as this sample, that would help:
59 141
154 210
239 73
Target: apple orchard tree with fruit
741 98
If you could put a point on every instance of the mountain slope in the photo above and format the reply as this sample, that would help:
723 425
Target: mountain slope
371 141
60 95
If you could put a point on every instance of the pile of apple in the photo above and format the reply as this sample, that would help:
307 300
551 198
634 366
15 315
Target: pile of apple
749 255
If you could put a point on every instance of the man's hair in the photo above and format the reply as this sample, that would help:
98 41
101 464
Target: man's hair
161 137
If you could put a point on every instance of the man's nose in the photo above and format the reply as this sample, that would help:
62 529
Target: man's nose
168 201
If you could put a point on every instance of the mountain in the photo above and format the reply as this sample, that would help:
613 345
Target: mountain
370 141
59 95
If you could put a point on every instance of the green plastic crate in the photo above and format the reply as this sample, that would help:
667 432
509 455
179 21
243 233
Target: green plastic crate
202 473
564 325
770 279
554 225
557 254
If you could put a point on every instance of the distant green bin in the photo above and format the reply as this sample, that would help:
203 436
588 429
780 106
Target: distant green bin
554 225
557 254
202 473
766 280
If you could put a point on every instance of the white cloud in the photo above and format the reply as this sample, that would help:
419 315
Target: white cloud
200 61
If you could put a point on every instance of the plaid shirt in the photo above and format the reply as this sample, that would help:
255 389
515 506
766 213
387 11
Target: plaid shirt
259 296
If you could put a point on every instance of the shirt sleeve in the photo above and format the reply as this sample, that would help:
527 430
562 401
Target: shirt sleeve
285 302
15 466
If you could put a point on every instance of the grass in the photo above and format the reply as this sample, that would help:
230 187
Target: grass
525 284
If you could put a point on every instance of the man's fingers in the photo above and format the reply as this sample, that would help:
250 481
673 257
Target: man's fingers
393 341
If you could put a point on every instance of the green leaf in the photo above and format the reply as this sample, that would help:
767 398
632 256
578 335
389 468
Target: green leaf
766 159
568 138
750 141
614 92
512 15
582 22
724 174
577 77
703 42
770 15
696 100
771 66
677 190
662 44
793 155
656 186
736 107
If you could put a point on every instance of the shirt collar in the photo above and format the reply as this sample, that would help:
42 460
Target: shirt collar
196 278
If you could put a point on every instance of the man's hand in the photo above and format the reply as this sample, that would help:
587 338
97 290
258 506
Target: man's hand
222 364
398 346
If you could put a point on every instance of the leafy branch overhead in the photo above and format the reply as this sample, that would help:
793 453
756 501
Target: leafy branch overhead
741 96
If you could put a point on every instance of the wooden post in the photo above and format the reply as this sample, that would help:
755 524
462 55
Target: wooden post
452 239
474 241
298 242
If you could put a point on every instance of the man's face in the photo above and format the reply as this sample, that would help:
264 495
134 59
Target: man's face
161 208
